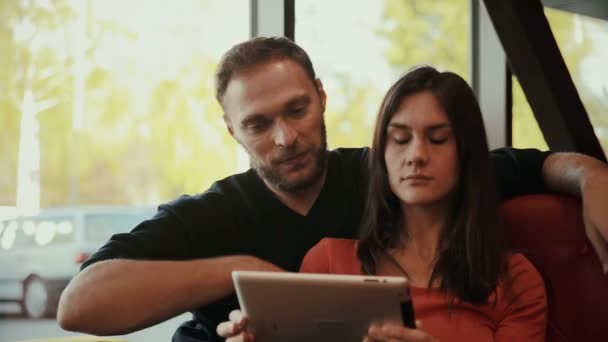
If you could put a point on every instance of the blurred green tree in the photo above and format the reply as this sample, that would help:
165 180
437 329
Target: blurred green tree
427 32
436 33
34 88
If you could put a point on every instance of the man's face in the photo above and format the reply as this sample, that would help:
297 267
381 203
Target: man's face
276 113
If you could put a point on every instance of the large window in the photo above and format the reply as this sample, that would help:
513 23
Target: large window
525 130
109 102
112 102
583 43
359 55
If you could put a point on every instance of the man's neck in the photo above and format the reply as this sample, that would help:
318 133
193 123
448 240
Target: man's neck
300 201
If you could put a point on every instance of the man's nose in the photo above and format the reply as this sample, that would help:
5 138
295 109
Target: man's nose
284 134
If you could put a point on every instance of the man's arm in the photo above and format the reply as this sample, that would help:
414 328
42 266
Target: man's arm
179 260
121 296
587 177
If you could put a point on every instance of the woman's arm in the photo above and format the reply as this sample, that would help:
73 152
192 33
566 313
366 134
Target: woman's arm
525 303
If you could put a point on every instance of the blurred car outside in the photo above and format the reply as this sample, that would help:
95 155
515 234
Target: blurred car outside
40 254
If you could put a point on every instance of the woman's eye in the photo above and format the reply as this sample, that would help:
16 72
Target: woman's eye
438 140
402 141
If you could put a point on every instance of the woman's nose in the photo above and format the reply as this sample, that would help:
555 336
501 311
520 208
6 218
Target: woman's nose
418 154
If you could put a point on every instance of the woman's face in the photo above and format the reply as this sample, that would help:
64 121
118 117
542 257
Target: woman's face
420 152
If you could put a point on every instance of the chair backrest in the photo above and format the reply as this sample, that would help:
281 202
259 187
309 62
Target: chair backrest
549 230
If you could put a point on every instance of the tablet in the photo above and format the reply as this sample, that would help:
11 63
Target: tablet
284 306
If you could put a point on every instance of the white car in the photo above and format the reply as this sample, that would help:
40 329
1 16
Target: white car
40 254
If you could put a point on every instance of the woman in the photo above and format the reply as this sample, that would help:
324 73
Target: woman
431 215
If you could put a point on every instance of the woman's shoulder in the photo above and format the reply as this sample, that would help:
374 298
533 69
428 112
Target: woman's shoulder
519 263
524 277
339 244
337 248
333 255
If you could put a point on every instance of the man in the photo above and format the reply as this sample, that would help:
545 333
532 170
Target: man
268 217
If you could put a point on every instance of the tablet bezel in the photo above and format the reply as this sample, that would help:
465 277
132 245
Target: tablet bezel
317 307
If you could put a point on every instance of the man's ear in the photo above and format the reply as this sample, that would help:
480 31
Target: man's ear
228 124
321 92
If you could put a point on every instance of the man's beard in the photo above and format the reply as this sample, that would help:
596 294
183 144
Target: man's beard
271 173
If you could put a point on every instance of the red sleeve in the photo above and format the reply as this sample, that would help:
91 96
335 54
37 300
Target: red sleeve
317 259
525 316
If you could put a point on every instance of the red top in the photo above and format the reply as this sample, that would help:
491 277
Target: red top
520 315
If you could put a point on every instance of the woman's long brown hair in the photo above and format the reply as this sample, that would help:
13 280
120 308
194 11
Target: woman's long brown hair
471 256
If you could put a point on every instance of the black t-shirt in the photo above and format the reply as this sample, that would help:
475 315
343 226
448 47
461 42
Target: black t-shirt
240 215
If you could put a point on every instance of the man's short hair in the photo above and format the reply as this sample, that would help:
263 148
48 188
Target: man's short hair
257 51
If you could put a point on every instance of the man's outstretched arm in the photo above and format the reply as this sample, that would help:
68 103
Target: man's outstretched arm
120 296
165 266
587 177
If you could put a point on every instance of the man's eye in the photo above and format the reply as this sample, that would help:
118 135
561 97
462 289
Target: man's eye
298 112
256 127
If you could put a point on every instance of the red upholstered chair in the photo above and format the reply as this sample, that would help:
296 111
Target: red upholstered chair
549 230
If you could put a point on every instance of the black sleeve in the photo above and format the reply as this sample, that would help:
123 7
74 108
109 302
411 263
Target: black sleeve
169 235
518 171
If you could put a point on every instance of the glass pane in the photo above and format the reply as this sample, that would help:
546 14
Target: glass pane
37 231
525 130
98 228
101 106
106 102
359 55
583 44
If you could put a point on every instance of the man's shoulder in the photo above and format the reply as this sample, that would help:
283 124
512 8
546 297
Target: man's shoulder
220 193
352 154
519 155
352 162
